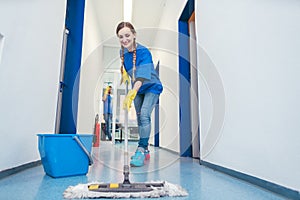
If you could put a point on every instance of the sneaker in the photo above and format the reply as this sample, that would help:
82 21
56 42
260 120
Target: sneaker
147 154
138 159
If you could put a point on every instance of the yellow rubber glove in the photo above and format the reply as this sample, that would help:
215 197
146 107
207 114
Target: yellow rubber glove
125 77
128 99
106 90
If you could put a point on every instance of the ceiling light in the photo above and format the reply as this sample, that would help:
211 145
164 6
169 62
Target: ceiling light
127 10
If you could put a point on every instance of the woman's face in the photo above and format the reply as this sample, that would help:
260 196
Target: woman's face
126 38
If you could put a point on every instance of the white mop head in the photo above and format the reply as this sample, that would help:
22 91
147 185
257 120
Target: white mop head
81 191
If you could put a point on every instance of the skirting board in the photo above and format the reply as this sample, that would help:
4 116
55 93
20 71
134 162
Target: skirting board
14 170
286 192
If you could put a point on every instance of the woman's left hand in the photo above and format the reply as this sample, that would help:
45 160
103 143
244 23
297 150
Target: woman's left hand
125 77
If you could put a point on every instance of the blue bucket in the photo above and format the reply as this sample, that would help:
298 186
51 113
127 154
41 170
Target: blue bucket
65 154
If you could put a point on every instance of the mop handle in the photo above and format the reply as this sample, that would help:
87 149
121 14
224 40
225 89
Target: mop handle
126 129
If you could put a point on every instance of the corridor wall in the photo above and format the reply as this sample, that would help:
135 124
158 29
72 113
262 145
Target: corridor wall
90 71
32 34
251 48
166 50
96 49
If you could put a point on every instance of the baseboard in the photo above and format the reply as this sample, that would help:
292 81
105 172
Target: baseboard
14 170
278 189
168 150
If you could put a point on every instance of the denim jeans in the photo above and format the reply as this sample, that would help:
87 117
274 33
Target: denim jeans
144 104
108 121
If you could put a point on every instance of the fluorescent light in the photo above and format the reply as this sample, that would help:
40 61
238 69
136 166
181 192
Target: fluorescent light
127 10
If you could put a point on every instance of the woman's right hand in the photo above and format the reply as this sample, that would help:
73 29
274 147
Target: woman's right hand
106 90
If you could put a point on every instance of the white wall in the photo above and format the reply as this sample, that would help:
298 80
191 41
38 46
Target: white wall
90 71
96 49
29 70
166 44
253 49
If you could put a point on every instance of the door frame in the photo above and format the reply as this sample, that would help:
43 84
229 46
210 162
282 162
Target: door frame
185 80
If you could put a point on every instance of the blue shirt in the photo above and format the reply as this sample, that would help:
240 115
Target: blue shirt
107 105
144 69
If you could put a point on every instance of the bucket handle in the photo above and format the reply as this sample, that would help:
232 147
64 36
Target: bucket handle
84 149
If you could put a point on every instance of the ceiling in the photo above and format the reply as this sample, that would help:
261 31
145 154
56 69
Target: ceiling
146 14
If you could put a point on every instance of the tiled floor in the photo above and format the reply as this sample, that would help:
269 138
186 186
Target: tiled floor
202 183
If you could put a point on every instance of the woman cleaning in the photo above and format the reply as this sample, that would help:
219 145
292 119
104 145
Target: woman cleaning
146 86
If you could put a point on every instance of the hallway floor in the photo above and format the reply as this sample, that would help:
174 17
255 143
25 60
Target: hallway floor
202 183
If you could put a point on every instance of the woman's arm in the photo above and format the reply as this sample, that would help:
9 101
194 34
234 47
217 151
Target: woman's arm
137 85
104 97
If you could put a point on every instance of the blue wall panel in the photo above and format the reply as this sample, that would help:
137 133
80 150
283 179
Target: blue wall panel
74 23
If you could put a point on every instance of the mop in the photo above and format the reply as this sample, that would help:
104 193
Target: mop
126 189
